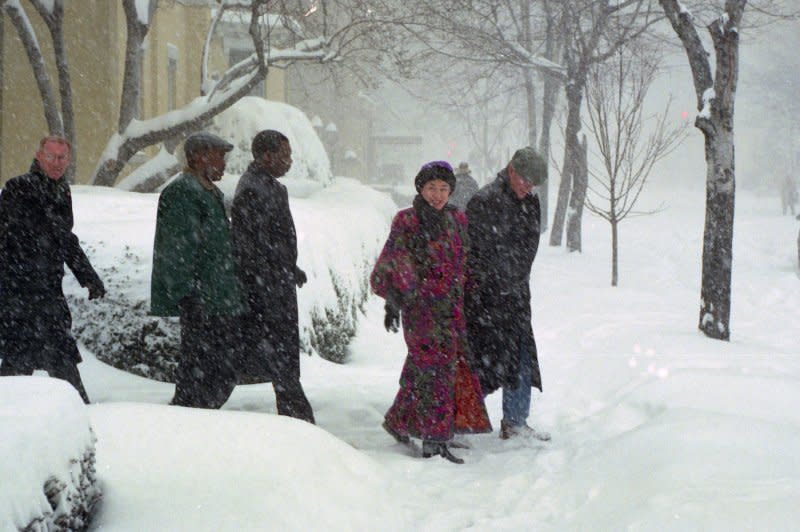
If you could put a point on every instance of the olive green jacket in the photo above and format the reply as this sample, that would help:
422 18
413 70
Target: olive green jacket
193 252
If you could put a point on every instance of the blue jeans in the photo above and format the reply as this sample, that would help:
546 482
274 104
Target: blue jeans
517 401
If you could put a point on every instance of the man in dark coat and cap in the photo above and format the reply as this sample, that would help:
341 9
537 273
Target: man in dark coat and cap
194 275
266 246
504 221
36 240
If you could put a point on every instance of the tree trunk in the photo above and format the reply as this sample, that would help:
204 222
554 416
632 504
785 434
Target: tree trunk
579 185
614 252
715 292
550 93
54 19
23 26
715 101
571 157
136 32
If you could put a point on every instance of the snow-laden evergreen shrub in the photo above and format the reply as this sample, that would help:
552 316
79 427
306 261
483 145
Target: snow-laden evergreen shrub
48 479
72 500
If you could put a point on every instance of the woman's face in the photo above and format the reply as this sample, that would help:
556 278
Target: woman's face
436 193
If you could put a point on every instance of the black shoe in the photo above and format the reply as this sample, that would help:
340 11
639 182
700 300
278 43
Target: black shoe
432 448
399 438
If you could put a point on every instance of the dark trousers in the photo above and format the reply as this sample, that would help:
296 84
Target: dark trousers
291 400
283 360
205 376
63 369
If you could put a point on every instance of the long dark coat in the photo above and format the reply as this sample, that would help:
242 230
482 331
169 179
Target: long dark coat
504 237
265 242
36 240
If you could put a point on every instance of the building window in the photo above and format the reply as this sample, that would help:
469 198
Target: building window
172 77
236 55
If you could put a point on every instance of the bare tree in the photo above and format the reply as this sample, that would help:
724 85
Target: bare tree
593 32
629 142
514 39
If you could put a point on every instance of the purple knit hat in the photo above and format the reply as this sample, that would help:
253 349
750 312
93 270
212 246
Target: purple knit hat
435 170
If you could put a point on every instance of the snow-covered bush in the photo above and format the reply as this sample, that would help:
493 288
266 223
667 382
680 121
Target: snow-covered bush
340 229
50 456
242 121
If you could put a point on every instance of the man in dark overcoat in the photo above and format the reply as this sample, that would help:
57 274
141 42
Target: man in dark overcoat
504 221
266 246
194 275
36 240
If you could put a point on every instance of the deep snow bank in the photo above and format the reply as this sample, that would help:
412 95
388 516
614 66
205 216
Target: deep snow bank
47 470
219 470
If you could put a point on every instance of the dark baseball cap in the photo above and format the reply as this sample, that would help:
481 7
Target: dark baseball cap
203 141
530 165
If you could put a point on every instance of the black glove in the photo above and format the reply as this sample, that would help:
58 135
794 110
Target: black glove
300 277
96 289
392 318
192 305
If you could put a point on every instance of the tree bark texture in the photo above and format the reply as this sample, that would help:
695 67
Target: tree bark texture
580 183
22 24
715 101
54 19
570 169
549 97
614 252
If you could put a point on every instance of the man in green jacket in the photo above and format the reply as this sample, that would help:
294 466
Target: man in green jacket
194 275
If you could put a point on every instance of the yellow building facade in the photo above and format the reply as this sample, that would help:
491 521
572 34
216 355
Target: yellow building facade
95 35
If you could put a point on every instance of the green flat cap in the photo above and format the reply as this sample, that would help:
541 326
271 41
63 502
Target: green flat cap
530 165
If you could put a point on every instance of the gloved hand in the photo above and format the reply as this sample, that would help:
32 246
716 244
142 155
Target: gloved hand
300 277
192 305
392 318
96 289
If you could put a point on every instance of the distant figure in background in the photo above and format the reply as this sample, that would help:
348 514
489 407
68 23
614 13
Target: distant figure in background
194 275
466 187
36 240
788 195
266 247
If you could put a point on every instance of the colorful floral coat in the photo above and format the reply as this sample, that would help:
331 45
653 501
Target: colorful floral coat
429 404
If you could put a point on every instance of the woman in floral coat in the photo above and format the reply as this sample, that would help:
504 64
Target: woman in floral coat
421 274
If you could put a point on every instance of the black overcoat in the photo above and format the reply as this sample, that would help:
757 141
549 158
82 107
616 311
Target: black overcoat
265 243
504 238
36 240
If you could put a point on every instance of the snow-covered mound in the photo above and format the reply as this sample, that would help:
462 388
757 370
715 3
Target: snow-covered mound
242 121
223 470
47 456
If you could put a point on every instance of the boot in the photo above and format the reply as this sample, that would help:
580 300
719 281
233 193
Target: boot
430 448
524 431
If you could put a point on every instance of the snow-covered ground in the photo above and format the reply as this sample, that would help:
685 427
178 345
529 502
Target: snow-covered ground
654 426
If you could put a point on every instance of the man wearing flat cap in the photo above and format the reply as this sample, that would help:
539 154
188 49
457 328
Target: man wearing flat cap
504 220
194 275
